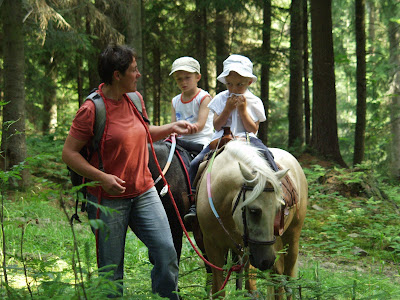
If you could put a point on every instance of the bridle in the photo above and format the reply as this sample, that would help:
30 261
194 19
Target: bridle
246 239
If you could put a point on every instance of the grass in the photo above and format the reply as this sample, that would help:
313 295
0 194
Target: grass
350 246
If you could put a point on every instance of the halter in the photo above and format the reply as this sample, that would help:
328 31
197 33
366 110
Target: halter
246 239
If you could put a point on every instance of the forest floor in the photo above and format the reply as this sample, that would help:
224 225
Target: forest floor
339 238
332 183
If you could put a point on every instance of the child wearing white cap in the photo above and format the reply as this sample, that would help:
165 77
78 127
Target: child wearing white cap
192 104
236 108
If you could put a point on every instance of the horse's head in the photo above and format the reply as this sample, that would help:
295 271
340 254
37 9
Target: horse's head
256 205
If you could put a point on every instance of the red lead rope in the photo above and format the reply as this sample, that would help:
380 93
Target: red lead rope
236 268
233 268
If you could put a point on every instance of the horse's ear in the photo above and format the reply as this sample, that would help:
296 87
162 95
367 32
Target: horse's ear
281 173
246 172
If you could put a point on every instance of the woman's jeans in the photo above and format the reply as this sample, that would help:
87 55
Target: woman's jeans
146 216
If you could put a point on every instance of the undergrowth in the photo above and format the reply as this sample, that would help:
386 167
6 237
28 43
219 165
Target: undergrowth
350 244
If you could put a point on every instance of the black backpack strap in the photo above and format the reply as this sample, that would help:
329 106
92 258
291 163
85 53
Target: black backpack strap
99 124
134 97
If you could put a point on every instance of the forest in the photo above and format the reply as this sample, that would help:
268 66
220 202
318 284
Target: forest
328 75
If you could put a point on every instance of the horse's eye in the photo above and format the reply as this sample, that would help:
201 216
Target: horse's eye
255 212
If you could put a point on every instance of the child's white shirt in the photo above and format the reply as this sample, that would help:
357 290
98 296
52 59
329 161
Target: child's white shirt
189 111
255 109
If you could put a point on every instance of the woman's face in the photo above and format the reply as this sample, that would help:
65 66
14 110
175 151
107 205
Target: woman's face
236 83
128 80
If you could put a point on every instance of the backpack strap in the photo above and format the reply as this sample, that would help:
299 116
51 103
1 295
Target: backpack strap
100 118
99 124
98 131
134 97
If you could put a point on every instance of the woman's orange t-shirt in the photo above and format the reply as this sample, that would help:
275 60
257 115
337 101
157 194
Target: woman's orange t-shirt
124 149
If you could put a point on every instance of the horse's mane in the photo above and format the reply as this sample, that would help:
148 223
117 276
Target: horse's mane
253 159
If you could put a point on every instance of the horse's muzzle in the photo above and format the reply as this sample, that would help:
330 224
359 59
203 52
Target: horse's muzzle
262 265
262 257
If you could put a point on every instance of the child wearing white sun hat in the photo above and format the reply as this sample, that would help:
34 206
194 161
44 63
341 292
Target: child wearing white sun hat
236 108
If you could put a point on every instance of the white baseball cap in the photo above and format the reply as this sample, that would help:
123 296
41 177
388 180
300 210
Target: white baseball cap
239 64
185 63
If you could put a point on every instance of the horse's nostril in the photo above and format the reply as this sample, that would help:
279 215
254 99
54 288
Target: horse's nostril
265 264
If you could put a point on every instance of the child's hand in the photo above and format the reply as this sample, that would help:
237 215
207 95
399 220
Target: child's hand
241 103
231 103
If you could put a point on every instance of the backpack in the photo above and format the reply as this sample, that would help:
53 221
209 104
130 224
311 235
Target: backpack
88 150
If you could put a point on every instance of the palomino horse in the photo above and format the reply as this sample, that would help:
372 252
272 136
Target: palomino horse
246 194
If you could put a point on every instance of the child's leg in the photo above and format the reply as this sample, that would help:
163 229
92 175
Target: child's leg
264 149
194 165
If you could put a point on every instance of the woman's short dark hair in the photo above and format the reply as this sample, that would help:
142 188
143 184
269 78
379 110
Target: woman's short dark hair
114 58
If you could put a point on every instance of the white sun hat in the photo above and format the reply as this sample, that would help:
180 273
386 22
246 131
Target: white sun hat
185 63
239 64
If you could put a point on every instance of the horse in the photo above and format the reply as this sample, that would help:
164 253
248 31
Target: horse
178 181
237 209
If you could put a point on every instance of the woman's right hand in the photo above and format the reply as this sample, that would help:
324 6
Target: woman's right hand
112 184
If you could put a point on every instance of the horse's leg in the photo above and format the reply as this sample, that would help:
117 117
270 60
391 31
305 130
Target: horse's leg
291 239
250 276
198 236
276 291
216 256
287 263
177 234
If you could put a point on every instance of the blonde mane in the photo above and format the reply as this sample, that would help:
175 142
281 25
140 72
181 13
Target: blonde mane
253 159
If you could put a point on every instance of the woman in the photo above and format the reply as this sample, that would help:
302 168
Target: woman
126 185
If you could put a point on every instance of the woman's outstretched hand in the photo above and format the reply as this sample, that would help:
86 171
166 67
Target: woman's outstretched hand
183 127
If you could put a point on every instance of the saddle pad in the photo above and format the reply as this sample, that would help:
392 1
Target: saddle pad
290 197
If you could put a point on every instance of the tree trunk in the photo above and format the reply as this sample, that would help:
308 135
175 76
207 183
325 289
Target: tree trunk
359 142
324 126
94 78
371 25
201 36
79 80
221 42
49 112
156 79
265 68
394 92
98 46
134 34
13 145
307 113
78 60
295 114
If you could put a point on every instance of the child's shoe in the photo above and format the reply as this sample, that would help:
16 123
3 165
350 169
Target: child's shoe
191 214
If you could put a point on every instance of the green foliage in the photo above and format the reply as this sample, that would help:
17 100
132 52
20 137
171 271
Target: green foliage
357 203
348 210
